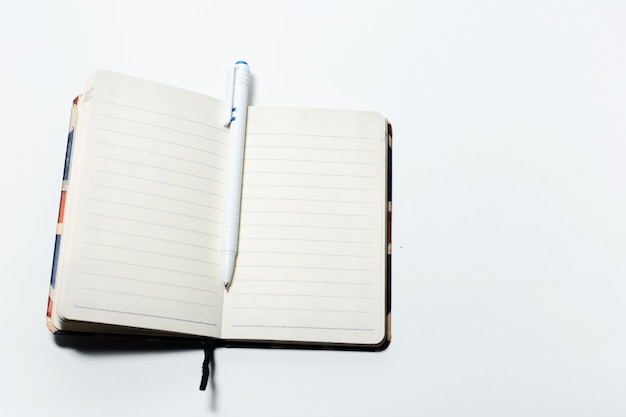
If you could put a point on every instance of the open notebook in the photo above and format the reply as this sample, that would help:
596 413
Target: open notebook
138 241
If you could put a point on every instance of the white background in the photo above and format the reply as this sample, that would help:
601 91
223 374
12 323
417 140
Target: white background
509 235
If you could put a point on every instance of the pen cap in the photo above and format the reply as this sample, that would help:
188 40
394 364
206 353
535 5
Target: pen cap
242 73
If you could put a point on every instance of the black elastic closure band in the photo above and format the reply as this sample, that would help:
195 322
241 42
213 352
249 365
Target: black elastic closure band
209 348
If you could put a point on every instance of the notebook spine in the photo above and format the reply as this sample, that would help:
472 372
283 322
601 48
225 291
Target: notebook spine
59 228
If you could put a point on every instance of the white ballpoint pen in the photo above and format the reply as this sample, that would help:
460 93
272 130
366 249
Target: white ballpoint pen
236 112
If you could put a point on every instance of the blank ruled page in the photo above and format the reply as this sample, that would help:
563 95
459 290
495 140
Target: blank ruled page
141 240
311 264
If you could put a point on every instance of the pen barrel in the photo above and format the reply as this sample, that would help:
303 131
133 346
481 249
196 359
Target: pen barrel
230 228
234 175
232 198
232 209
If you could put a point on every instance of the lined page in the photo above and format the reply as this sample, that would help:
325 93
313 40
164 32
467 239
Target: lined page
310 265
141 245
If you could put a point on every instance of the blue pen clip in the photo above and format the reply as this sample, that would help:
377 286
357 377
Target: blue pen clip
230 93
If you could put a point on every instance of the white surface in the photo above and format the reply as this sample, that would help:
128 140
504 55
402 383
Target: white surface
509 200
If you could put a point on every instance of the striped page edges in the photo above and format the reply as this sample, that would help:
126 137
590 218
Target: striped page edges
59 230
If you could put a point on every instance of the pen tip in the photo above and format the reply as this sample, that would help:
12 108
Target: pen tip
226 286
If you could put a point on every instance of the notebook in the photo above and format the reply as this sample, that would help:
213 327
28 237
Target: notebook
137 248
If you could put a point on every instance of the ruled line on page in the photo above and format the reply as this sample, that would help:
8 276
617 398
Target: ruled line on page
315 187
323 268
308 148
161 239
129 294
164 155
310 173
254 252
308 310
157 167
131 313
316 161
182 187
313 200
304 327
152 223
217 127
178 271
301 226
337 297
312 135
130 190
303 281
311 240
205 219
143 281
149 252
168 142
306 213
178 131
